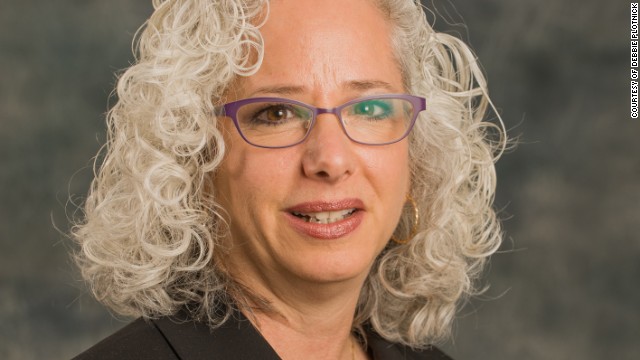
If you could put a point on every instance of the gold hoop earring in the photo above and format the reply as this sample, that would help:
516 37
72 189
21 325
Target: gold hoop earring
414 227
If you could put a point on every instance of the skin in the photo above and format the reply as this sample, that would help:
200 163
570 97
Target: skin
340 50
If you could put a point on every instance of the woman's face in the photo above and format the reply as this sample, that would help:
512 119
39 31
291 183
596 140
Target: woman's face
322 53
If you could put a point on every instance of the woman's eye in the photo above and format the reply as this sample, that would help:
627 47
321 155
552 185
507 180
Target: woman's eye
374 109
275 114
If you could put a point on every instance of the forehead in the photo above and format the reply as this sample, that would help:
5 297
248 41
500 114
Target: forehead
322 44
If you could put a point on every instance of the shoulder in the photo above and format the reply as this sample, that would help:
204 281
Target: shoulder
383 349
181 337
139 340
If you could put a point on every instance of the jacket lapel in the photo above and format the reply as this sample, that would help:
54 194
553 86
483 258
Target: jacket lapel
235 339
238 339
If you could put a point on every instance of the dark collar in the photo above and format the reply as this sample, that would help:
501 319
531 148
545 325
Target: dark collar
238 339
235 339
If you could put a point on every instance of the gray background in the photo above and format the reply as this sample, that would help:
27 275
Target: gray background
565 285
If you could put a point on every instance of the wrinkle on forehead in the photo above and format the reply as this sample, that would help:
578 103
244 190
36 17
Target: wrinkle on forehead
353 85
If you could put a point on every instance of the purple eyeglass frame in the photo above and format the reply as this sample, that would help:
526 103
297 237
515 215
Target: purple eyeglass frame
231 110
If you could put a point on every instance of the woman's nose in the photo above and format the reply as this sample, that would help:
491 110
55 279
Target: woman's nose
328 152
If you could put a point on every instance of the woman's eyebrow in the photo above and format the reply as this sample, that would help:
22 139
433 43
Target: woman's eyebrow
363 85
354 85
278 90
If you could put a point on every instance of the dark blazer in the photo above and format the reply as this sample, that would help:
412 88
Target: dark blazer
237 339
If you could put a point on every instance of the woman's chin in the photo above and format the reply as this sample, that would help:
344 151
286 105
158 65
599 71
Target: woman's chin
328 261
330 269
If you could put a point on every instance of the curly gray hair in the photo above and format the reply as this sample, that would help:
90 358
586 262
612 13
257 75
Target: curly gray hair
151 230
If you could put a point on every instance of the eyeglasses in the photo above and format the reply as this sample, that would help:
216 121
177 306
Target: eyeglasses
271 122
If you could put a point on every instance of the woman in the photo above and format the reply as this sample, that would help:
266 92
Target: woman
296 179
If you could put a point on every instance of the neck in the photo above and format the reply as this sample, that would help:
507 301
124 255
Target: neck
305 320
312 334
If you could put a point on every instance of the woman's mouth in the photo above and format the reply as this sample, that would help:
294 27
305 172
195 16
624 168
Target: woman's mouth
325 217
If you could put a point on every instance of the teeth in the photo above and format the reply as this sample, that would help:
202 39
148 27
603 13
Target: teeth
325 217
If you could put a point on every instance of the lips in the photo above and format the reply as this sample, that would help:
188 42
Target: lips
326 219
